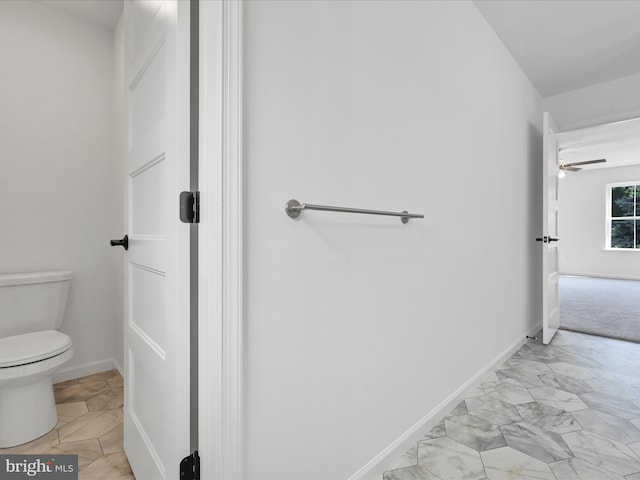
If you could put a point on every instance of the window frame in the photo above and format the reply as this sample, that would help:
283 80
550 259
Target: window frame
609 218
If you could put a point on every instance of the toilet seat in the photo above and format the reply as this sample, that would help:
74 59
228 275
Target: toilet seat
32 347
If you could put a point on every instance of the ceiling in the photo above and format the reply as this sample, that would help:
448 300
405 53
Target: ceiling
102 13
563 45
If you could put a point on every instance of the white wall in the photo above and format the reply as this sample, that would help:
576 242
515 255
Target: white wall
582 225
359 326
56 167
603 103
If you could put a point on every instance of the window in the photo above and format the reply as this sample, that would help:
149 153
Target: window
623 216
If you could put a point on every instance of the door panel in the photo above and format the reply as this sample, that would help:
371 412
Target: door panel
147 22
157 341
146 113
550 212
146 187
147 286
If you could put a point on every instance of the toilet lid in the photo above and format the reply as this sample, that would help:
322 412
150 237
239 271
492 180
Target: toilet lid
32 347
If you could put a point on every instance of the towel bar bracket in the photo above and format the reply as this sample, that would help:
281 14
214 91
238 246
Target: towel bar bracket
293 208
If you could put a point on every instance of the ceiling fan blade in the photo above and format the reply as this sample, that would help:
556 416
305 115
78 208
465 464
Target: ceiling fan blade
588 162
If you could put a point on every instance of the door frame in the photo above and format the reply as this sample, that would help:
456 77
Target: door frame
550 206
220 250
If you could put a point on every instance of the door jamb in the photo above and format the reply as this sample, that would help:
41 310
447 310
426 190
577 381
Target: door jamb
220 323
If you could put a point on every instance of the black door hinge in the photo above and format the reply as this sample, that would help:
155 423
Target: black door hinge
190 207
190 467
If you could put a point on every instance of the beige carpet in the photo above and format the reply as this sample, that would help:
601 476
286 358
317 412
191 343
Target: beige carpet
601 306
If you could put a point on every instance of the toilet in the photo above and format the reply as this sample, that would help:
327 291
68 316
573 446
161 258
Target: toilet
32 307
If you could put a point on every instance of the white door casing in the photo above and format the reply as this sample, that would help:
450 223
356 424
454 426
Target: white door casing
550 213
220 314
157 389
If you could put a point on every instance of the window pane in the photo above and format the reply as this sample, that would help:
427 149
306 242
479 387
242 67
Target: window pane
622 201
637 233
622 233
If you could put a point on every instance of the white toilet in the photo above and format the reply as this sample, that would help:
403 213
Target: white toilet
32 307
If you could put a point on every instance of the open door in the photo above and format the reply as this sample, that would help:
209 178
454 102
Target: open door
157 308
549 239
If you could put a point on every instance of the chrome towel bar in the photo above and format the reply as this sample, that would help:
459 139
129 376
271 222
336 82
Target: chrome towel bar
294 208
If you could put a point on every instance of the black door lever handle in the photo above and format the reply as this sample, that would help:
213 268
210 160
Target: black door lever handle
547 239
123 242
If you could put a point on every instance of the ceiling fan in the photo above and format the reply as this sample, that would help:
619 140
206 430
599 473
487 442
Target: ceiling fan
575 166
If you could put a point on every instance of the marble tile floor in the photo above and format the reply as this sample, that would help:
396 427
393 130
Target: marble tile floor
89 425
565 411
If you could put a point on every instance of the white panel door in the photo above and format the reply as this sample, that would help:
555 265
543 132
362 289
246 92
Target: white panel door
550 212
157 321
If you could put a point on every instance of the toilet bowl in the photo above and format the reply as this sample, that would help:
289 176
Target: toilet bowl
31 349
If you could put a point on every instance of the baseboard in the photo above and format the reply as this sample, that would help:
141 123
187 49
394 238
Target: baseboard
599 275
382 462
85 369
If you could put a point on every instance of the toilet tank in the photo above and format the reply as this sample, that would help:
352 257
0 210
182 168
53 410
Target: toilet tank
30 302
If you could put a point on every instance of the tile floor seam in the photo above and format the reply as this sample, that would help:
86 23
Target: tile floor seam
484 467
101 447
